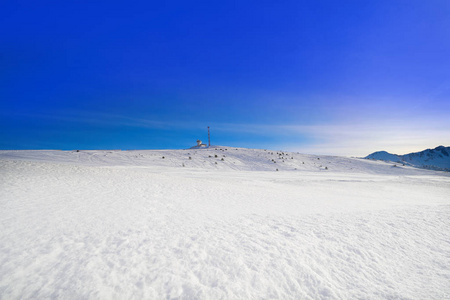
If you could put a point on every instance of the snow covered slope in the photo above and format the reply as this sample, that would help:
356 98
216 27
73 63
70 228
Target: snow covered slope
220 158
135 225
434 159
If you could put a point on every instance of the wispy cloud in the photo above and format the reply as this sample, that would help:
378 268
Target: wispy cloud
109 119
357 139
363 140
344 138
350 138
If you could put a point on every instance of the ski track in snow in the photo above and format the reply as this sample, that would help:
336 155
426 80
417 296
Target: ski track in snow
132 225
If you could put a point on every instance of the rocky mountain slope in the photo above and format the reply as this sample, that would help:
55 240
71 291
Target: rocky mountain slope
435 159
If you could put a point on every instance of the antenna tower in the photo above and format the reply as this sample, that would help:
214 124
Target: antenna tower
209 138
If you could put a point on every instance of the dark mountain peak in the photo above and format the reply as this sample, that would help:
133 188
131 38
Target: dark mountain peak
437 158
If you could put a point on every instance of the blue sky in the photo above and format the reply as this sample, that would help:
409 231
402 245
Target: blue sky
325 77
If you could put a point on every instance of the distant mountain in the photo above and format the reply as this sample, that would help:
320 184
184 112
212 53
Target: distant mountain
435 159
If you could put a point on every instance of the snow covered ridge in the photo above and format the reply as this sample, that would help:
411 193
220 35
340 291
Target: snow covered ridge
213 158
433 159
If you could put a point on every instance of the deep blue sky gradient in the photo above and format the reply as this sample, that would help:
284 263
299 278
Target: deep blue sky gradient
297 75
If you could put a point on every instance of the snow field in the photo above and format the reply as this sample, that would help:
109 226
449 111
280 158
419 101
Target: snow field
125 227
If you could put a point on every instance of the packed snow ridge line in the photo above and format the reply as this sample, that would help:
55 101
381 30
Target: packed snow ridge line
434 159
221 158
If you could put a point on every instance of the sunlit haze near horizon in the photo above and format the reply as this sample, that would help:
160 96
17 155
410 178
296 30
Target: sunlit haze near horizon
323 77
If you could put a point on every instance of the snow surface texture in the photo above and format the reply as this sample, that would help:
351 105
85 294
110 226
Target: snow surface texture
433 159
134 225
